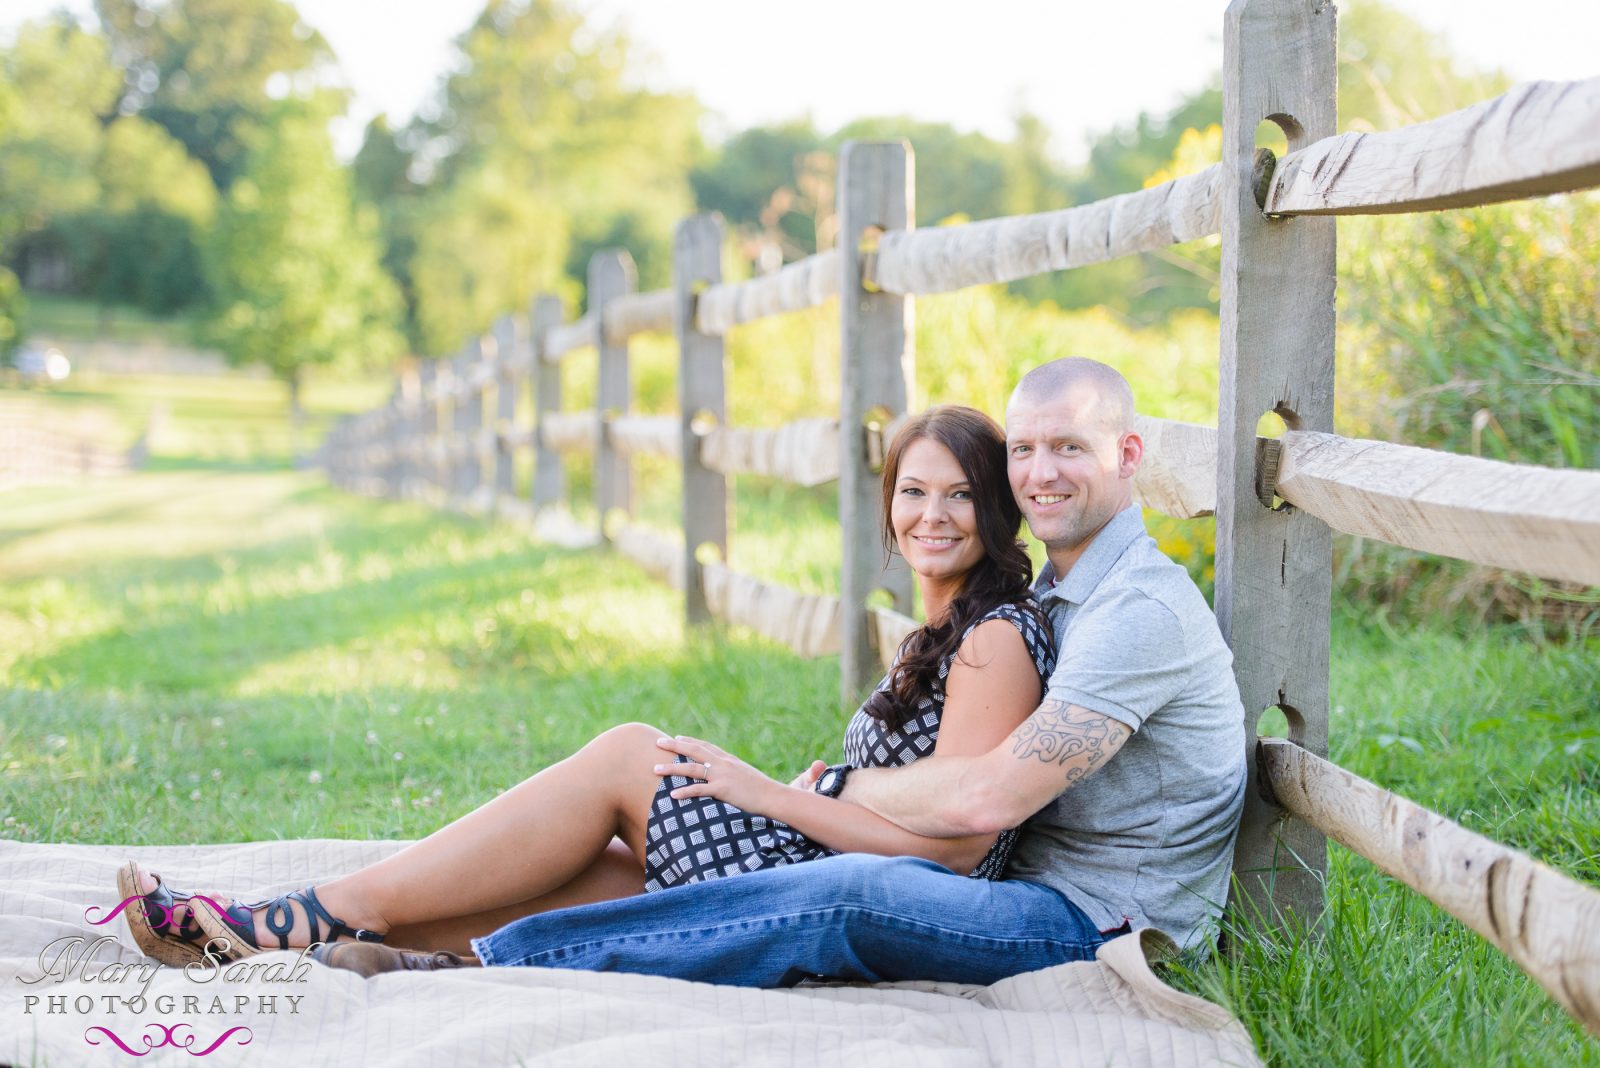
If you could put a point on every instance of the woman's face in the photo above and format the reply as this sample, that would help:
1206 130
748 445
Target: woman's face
934 516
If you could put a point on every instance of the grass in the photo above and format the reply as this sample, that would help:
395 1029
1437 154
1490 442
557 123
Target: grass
197 422
56 316
202 654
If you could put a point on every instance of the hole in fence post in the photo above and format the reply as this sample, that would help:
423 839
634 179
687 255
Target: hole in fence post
1280 133
614 522
1281 721
868 248
703 422
876 423
880 598
707 553
1269 428
1276 136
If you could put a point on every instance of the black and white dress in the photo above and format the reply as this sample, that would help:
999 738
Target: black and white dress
696 838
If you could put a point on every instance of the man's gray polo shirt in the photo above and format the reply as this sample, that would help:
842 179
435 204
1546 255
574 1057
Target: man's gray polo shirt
1148 838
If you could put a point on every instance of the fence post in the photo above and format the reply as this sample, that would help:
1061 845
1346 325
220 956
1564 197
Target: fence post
878 362
427 429
1274 568
505 399
611 275
702 373
406 434
390 428
548 482
469 418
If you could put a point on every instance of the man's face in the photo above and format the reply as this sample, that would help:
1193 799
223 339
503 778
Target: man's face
1070 470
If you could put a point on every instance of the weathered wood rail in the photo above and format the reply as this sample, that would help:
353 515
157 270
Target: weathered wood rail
36 455
1276 502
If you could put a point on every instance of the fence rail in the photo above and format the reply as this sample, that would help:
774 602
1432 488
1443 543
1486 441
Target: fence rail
1276 501
1546 922
37 455
1539 138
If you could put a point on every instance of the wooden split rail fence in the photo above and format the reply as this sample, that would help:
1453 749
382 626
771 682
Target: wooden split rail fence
1277 502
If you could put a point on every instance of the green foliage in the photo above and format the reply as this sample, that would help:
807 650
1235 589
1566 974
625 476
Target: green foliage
55 83
1485 327
141 166
208 70
539 124
1476 332
485 245
11 310
755 180
295 265
775 184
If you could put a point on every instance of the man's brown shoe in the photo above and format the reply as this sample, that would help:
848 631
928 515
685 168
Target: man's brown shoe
371 958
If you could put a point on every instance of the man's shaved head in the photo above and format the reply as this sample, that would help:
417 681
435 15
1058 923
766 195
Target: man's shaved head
1072 453
1049 381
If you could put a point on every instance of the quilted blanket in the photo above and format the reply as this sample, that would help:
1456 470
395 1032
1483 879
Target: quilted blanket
76 992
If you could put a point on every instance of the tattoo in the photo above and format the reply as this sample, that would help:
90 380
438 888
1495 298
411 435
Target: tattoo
1059 733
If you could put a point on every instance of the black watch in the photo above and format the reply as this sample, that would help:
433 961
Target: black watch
831 782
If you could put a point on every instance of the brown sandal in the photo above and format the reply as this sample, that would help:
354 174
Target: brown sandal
150 920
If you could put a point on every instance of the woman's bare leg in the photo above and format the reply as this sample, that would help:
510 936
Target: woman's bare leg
617 873
529 842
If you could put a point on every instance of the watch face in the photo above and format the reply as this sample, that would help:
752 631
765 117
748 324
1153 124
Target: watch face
829 784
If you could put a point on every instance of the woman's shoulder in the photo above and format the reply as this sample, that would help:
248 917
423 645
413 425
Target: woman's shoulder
1022 617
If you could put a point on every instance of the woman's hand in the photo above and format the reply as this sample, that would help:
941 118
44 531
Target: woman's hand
807 779
716 773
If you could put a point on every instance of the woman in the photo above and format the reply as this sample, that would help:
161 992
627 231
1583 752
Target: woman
615 819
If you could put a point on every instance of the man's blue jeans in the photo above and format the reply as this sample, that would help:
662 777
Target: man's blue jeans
845 917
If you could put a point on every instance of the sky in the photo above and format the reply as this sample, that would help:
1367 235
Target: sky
1082 67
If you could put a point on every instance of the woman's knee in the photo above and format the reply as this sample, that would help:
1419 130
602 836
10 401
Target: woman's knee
628 738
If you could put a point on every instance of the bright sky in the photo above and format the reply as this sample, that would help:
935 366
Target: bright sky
1083 67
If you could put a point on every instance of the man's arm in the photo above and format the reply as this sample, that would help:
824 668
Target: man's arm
1054 749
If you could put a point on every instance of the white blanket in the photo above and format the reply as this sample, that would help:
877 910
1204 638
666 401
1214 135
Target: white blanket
1111 1012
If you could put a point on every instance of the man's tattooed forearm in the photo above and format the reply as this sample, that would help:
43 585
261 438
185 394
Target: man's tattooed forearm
1059 733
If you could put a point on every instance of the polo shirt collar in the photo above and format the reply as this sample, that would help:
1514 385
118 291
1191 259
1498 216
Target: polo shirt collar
1106 549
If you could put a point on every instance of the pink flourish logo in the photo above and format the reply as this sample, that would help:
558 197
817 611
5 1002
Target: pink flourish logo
151 908
169 1037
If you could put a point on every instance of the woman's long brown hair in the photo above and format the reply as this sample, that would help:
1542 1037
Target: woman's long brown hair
1002 576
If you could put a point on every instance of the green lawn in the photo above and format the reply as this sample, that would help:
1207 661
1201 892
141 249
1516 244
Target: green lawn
331 666
56 316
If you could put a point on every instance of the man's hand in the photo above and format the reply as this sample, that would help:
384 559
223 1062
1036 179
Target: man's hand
1054 749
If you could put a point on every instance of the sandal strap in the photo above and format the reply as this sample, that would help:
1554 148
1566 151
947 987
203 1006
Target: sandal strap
337 928
240 917
158 905
280 919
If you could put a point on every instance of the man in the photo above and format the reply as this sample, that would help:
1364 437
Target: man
1130 775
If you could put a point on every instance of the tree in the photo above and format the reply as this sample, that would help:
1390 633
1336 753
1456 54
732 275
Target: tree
208 70
540 121
140 241
57 83
295 266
